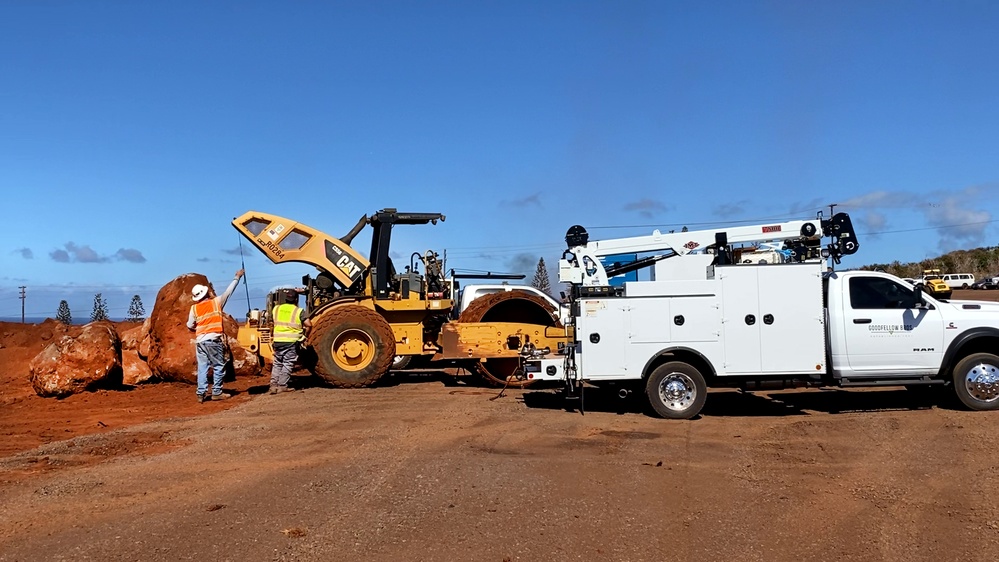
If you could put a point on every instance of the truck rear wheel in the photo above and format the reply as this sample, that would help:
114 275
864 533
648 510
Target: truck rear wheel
676 390
354 346
976 381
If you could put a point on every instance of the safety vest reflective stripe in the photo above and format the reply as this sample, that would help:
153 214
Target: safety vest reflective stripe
287 323
208 317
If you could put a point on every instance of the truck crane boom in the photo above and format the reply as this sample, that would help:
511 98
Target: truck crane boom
581 265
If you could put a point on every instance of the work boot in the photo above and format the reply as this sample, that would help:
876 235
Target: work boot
201 398
280 389
222 396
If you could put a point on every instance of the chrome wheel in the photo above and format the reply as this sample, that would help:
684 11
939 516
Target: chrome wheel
400 362
982 382
677 391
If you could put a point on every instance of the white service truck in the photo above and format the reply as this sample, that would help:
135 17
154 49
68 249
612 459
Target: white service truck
704 320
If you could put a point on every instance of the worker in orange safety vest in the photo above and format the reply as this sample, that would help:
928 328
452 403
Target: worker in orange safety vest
205 320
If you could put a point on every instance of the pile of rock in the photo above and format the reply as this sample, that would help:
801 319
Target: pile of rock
162 348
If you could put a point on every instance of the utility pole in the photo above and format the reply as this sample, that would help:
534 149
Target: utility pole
22 287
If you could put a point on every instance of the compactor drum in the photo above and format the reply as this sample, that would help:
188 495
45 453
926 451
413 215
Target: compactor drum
513 306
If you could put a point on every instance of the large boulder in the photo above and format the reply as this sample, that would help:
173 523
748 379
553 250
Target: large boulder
134 370
143 349
244 363
132 336
170 354
73 364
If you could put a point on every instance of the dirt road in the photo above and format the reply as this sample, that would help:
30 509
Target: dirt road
424 471
429 469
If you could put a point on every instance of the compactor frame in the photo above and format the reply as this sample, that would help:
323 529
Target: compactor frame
366 315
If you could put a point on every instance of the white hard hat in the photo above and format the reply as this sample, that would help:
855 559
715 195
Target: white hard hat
198 292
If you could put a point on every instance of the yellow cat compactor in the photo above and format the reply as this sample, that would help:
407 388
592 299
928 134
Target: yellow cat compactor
367 316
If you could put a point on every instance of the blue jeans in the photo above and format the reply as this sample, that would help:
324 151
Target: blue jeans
285 355
210 357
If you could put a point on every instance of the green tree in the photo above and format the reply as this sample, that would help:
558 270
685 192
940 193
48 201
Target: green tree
136 312
63 314
541 281
100 311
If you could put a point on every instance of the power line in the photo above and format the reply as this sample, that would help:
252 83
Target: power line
929 228
797 215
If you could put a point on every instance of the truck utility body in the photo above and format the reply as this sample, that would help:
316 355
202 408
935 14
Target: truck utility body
756 325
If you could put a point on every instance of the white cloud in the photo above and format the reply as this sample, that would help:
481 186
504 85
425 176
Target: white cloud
959 216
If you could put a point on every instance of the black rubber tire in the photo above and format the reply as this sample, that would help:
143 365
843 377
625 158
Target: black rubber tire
975 363
364 325
692 402
964 286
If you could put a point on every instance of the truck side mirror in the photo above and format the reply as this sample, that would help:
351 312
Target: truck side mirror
917 294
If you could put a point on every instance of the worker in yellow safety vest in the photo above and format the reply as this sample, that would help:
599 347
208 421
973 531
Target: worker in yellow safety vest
289 331
205 320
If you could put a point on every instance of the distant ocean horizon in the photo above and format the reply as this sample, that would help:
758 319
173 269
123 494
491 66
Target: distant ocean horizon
40 319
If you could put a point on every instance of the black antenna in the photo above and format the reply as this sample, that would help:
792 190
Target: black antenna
831 262
242 265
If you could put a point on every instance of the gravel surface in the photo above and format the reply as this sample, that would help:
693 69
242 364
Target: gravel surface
425 470
429 468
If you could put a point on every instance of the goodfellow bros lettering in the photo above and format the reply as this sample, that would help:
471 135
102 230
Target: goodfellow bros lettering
889 328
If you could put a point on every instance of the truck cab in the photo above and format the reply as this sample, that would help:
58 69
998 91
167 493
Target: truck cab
881 326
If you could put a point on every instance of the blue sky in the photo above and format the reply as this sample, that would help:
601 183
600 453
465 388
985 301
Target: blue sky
131 133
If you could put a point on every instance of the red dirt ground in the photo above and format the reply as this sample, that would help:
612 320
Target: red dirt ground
27 420
426 468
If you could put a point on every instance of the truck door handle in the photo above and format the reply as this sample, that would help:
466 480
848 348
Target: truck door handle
861 320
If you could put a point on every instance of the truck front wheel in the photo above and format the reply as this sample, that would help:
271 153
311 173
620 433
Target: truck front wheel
676 390
976 381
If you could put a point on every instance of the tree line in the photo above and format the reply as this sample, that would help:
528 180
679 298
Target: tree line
136 311
980 262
